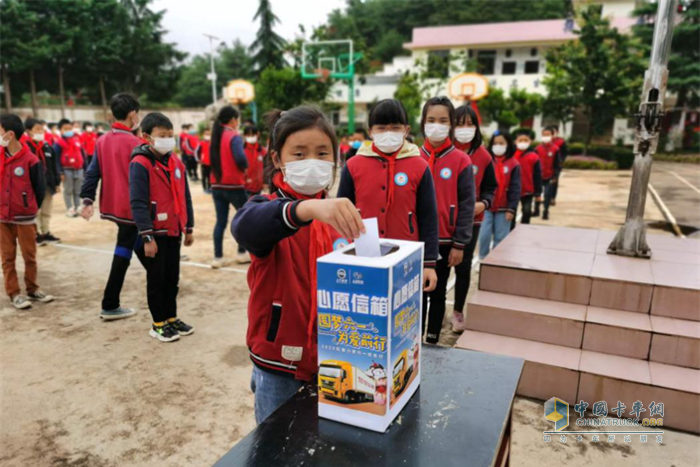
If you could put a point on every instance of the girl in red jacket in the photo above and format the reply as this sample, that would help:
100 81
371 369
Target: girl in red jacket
201 154
255 153
286 232
530 173
454 186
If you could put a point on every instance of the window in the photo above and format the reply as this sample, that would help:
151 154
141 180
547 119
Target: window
438 63
509 53
508 68
532 68
533 52
486 62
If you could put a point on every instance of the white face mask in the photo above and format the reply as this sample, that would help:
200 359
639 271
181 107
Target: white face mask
522 146
499 149
546 139
308 176
465 135
4 142
89 129
437 131
389 141
251 139
207 138
163 145
78 131
38 136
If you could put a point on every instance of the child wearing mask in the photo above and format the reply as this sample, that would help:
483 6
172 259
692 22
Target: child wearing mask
71 159
255 154
454 185
22 182
162 206
530 173
468 138
202 156
34 138
286 232
497 219
389 180
88 139
560 143
550 163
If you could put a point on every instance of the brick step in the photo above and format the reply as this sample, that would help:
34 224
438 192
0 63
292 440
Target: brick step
675 341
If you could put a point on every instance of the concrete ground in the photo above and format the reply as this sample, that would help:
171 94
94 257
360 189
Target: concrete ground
75 391
678 185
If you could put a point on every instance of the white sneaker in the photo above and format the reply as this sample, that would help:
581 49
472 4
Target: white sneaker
457 322
243 258
218 263
71 213
21 302
40 296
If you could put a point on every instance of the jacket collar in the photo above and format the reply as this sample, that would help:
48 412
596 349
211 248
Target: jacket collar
407 150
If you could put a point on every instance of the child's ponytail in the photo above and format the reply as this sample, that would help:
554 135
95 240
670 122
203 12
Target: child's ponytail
225 115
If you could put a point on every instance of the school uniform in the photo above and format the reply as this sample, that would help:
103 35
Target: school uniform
230 188
560 143
88 140
255 154
162 206
22 189
188 145
398 190
71 159
45 154
550 163
485 185
506 198
202 156
530 180
110 165
453 177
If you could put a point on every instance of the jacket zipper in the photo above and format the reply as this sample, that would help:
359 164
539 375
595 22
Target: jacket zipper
25 200
452 215
410 222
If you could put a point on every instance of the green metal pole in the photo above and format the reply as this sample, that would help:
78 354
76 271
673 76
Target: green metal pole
351 104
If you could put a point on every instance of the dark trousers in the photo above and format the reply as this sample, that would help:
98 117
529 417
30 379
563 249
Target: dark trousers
206 182
128 242
250 194
162 278
223 199
549 188
555 188
437 298
191 166
526 203
463 271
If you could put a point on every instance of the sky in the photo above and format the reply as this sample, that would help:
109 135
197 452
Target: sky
187 20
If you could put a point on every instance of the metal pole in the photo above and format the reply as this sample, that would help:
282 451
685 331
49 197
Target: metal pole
351 104
212 75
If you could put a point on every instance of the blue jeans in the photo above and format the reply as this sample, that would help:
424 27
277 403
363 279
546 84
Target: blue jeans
222 200
494 226
271 391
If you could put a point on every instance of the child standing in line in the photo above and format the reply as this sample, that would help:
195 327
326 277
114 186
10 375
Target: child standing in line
286 232
88 139
202 156
530 173
454 186
388 179
255 153
34 138
497 219
551 165
468 139
21 193
71 159
162 206
560 143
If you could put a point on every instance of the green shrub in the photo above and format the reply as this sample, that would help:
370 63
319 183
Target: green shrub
576 149
670 157
589 163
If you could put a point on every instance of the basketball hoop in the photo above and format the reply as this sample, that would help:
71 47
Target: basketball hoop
323 74
468 87
239 92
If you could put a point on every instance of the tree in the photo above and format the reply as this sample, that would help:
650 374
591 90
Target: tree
408 91
496 108
284 88
525 105
268 45
559 103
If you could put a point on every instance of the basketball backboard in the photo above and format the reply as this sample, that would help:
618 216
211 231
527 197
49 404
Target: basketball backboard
338 57
468 86
239 91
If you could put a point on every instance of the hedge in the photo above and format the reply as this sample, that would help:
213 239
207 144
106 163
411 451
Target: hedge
589 163
622 155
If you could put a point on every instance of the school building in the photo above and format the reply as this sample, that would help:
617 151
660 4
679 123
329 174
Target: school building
509 55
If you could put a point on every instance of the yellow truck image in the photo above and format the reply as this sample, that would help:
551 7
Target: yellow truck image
403 368
345 382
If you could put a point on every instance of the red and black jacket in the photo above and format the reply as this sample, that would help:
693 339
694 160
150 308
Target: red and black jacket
530 173
202 153
550 161
187 144
367 180
233 162
560 143
255 154
484 176
279 277
507 197
88 139
159 194
69 152
454 186
22 186
44 152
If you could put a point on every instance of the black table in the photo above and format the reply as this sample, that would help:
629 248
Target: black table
460 415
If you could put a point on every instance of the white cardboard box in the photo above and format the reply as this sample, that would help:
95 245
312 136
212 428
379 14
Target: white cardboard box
369 333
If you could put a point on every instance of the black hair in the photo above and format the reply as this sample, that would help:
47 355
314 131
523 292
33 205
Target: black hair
184 126
53 125
523 131
226 114
510 149
281 125
11 122
445 102
87 124
122 104
462 114
64 121
388 112
551 128
250 129
155 120
30 122
362 131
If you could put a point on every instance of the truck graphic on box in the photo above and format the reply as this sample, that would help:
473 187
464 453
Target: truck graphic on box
402 371
344 382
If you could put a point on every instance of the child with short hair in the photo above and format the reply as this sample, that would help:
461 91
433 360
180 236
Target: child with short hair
88 139
550 162
563 154
162 207
202 156
255 153
71 159
22 189
530 173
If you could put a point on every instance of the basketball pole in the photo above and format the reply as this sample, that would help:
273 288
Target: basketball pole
351 100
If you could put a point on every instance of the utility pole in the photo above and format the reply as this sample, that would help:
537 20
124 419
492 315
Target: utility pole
212 75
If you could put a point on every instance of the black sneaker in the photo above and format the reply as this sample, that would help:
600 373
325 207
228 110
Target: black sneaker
545 216
40 240
182 328
164 333
48 238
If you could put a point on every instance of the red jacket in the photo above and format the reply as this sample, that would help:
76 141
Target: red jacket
188 144
88 139
202 153
232 178
508 193
71 152
255 154
20 197
530 173
454 186
280 284
549 160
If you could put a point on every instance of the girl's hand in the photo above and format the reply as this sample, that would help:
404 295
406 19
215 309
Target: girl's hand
479 207
150 249
429 279
456 257
509 216
339 213
189 239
